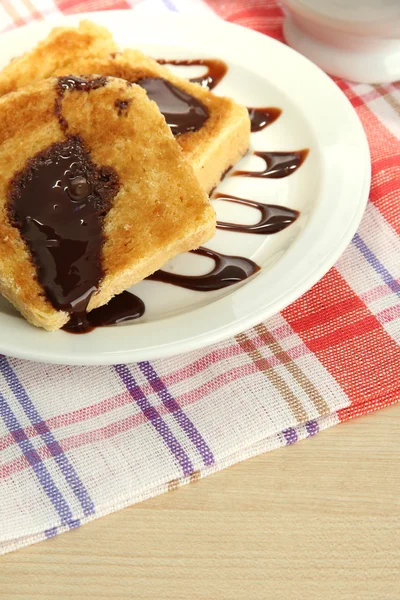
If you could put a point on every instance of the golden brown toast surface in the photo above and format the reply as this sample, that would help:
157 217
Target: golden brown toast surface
211 150
61 46
217 145
158 212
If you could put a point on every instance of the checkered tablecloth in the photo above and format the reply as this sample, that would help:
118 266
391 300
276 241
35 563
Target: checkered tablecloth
79 442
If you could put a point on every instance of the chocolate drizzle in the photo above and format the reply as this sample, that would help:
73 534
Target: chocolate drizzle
262 117
60 199
227 271
80 84
216 69
277 164
58 202
121 308
273 219
183 112
121 105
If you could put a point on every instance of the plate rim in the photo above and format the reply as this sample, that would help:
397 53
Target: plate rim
205 338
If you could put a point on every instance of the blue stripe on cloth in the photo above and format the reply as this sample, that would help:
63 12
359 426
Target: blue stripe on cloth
173 407
312 428
38 467
376 264
170 6
66 468
290 435
155 418
49 533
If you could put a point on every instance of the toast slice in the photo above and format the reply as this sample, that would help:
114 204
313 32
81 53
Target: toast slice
139 198
224 133
217 135
62 45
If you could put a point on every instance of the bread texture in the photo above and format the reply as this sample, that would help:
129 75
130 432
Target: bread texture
217 145
62 45
159 211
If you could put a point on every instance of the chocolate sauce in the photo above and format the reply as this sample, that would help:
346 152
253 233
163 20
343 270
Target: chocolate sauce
121 105
273 219
227 271
278 164
121 308
80 84
58 202
79 188
262 117
216 69
182 111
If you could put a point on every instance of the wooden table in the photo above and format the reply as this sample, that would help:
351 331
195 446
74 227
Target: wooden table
317 520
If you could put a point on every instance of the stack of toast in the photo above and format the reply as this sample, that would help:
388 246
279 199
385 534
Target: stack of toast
106 160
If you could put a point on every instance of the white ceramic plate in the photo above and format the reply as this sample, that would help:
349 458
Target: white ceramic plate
330 190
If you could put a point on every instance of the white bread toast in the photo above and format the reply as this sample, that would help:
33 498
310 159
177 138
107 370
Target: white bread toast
158 211
211 150
221 141
62 45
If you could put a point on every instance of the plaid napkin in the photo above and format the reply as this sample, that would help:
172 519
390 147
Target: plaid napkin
80 442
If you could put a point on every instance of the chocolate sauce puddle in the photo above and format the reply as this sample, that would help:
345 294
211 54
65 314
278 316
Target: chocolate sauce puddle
277 164
183 113
121 308
227 271
262 117
216 69
273 219
58 202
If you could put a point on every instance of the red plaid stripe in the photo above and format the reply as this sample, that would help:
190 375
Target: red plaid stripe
74 6
348 340
262 15
12 12
331 319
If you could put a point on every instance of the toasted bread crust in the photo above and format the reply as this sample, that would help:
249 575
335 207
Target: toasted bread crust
61 46
220 143
159 211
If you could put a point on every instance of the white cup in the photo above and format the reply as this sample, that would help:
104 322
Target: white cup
354 39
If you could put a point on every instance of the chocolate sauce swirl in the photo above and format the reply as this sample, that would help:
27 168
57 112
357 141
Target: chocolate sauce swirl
183 113
273 219
60 199
262 117
216 69
277 164
227 271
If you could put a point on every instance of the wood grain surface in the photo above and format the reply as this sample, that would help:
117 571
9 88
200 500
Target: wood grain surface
317 520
